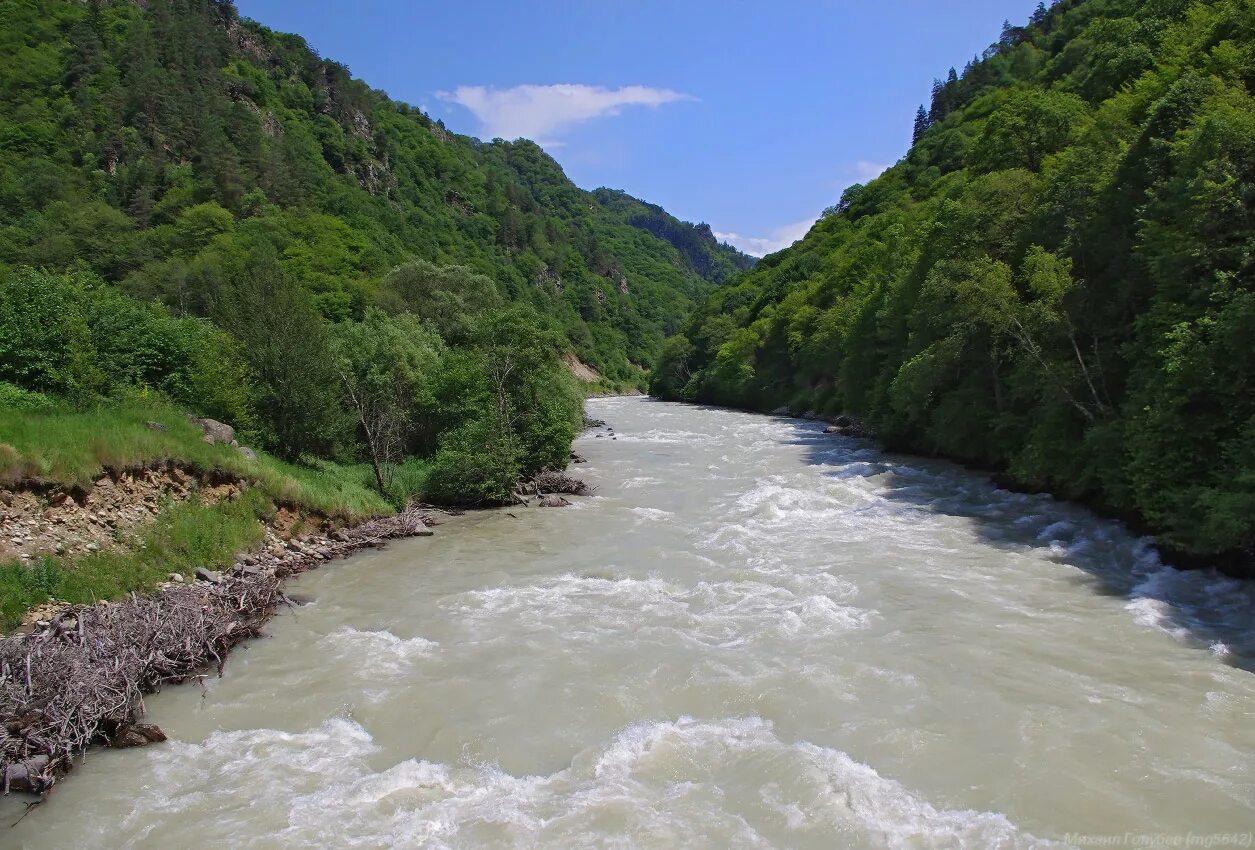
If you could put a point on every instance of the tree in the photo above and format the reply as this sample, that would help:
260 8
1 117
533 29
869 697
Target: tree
385 364
921 124
287 344
1028 126
937 103
450 298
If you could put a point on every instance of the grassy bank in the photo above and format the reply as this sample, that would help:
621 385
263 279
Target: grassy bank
74 448
183 537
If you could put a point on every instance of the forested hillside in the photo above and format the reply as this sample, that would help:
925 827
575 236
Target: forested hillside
1057 280
196 208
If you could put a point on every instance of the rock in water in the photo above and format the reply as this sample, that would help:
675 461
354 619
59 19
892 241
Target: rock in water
554 502
137 735
26 776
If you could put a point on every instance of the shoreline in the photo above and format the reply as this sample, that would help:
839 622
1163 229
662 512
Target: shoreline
77 678
74 675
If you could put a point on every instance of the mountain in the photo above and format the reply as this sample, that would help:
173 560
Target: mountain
709 258
1057 281
148 141
201 215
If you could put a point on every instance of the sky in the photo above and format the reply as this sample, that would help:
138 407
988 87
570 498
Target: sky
750 116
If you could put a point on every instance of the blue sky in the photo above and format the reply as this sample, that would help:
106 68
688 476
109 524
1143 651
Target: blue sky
752 116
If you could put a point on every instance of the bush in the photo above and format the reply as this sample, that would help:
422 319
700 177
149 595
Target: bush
23 401
45 341
75 336
477 464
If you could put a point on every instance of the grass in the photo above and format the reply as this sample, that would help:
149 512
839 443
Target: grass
74 448
183 537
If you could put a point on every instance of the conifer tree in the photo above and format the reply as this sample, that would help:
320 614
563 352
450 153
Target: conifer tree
921 124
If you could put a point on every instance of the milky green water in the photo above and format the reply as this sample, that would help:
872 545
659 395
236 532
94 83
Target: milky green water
753 635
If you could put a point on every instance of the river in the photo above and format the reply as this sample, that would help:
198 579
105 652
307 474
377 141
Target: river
752 635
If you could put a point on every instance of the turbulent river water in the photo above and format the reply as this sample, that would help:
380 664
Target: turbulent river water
753 635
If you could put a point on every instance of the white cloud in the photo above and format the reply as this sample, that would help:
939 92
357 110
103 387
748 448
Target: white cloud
864 170
536 112
861 171
759 246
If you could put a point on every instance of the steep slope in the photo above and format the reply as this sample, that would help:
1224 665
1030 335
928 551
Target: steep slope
156 142
707 256
1057 280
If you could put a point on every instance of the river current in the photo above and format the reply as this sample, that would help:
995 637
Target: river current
752 635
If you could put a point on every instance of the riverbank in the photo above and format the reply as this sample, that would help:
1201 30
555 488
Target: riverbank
140 554
76 675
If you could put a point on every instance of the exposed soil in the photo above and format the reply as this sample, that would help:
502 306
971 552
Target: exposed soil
37 518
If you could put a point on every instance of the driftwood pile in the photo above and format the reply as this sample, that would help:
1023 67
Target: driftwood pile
552 481
547 485
79 679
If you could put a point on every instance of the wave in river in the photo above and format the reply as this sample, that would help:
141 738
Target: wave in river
670 783
710 613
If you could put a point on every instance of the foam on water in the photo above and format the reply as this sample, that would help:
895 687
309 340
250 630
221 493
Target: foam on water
715 613
652 514
682 782
377 653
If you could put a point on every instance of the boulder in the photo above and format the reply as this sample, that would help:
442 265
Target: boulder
208 575
780 411
843 421
554 502
27 775
832 429
215 431
137 735
247 452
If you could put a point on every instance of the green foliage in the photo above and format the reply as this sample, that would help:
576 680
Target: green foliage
671 373
45 340
19 400
1056 280
449 298
478 463
513 410
75 336
385 366
198 209
288 347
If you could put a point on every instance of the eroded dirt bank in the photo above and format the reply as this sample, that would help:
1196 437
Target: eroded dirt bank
75 675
